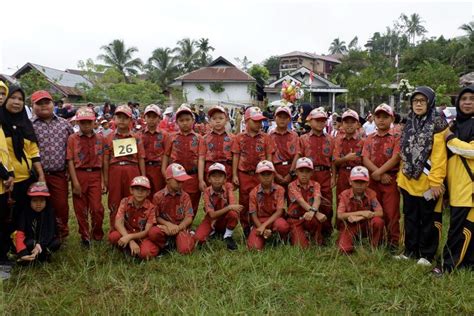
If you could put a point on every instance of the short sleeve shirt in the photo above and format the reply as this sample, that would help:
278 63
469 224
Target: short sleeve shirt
215 200
344 145
265 204
287 146
172 207
133 158
184 149
317 148
135 218
86 151
296 191
349 203
154 144
217 147
380 148
252 150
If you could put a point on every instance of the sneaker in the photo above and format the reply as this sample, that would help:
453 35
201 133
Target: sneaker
437 272
86 243
231 244
401 257
246 232
424 262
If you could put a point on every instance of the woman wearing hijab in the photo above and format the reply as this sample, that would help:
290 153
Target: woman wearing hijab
459 249
422 172
22 147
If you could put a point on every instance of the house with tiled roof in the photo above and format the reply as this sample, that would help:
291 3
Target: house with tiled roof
67 84
220 81
322 65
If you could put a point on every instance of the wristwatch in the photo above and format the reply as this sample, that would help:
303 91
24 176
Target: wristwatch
313 209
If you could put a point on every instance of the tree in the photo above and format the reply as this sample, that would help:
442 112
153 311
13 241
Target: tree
412 26
33 81
353 45
272 63
434 74
162 67
204 48
338 47
187 55
117 56
469 29
244 63
261 75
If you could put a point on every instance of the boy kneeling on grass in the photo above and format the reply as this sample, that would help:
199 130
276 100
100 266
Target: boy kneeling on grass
266 208
360 211
135 217
174 213
35 236
222 213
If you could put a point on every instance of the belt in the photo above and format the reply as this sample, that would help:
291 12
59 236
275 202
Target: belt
283 163
322 168
53 172
89 169
346 168
193 170
124 163
153 163
250 173
229 161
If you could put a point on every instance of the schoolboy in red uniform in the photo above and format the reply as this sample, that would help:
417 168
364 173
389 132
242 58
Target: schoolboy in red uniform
381 157
216 146
287 147
347 150
124 159
266 208
360 212
249 148
318 147
154 140
85 156
174 212
222 213
304 198
182 148
135 217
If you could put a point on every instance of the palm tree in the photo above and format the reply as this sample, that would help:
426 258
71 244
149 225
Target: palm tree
204 49
353 44
468 28
337 47
162 67
413 26
243 62
187 54
117 56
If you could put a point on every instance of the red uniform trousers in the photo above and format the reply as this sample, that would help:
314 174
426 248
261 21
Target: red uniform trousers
58 188
298 229
184 240
90 202
280 226
120 177
148 249
324 180
342 184
228 169
226 221
154 174
191 187
283 170
246 183
372 228
389 198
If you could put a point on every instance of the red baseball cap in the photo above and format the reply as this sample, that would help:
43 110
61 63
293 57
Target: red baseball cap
304 162
350 113
153 108
177 172
265 165
316 114
359 173
125 109
254 113
215 109
283 109
38 189
85 114
40 95
384 108
217 167
184 109
141 181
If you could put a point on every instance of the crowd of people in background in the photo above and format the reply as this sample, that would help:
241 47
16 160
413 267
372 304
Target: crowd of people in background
290 165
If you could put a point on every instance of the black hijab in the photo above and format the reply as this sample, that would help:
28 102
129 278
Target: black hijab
17 125
417 138
464 124
40 226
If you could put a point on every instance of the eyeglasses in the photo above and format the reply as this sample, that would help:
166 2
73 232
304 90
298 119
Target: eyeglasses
421 101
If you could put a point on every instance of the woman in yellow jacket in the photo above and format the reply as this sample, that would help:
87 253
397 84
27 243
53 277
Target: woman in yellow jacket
422 172
459 249
6 185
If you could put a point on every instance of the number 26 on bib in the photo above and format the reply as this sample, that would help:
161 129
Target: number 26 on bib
125 147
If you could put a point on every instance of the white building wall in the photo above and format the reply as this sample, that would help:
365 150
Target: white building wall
234 92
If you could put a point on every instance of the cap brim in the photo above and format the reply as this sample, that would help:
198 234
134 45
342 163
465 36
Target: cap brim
316 118
42 98
350 116
86 118
359 178
261 171
123 112
304 167
184 111
141 185
182 178
151 111
391 114
45 194
257 118
212 111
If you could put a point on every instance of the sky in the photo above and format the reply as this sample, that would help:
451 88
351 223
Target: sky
60 33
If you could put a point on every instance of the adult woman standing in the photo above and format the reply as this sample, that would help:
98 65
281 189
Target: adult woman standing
459 249
22 147
422 172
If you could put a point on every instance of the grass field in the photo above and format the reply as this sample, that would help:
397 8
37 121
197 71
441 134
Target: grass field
279 280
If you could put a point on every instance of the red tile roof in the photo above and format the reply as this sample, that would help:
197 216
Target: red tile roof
224 72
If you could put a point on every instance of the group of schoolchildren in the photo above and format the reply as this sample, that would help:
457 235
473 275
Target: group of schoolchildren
285 183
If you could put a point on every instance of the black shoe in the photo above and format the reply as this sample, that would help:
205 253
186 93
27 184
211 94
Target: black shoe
231 244
86 243
437 272
246 232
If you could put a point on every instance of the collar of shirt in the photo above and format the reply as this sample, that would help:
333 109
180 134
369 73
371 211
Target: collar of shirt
352 196
131 202
116 132
312 133
147 130
260 189
168 192
80 133
247 133
308 186
213 192
275 131
36 118
214 132
190 133
354 136
383 134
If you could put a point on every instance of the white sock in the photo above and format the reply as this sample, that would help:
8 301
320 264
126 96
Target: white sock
228 233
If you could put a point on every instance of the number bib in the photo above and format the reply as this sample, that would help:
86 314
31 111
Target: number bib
125 147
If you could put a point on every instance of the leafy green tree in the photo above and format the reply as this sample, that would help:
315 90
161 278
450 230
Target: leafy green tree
187 55
353 45
33 81
244 63
413 26
204 52
272 63
261 75
337 47
162 67
119 57
434 74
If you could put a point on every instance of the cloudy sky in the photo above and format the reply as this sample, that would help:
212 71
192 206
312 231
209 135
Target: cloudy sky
59 33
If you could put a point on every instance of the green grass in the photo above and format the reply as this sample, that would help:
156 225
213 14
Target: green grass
279 280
